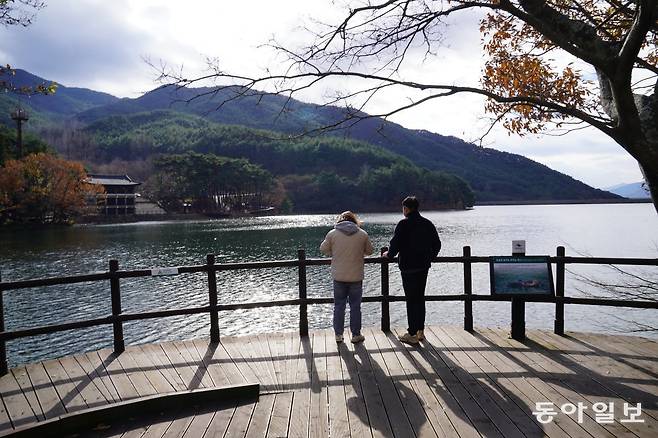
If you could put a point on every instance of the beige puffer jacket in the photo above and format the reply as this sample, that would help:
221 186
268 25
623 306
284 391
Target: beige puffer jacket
346 244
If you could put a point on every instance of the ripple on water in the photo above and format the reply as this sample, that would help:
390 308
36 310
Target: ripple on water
488 230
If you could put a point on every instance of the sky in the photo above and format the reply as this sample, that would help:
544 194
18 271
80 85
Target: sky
104 46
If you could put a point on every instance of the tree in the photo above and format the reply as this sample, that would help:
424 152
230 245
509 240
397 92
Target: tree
528 88
42 188
31 144
205 180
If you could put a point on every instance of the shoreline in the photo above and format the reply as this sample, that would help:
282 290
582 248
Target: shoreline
565 202
173 217
201 217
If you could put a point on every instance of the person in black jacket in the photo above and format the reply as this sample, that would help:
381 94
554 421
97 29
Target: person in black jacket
417 243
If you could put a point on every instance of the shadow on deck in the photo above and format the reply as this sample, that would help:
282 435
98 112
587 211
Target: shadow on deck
455 383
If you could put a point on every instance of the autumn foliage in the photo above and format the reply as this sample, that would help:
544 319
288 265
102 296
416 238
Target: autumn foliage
42 188
522 61
517 66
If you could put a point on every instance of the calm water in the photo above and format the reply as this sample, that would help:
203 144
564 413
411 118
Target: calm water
597 230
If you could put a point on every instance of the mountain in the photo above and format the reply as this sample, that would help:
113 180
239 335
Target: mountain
632 191
66 102
316 173
494 176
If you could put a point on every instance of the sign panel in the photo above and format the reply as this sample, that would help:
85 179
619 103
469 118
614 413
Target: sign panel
164 271
521 275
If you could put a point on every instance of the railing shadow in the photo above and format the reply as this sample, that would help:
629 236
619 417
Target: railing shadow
202 367
584 383
384 394
311 370
605 383
394 405
487 407
65 399
621 358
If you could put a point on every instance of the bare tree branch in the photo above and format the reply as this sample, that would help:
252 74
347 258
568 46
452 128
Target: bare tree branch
645 17
19 12
524 86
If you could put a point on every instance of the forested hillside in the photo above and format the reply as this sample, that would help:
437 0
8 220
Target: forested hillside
492 174
314 174
374 161
144 134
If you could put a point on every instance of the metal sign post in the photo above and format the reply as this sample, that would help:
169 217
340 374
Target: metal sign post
519 277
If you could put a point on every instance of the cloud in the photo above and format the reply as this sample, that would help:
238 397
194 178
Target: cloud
587 155
596 169
75 44
99 45
91 44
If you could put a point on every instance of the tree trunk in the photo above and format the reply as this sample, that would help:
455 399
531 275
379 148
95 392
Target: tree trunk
646 154
648 159
651 178
636 126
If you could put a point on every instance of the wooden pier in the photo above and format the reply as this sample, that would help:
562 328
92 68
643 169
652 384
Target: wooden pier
460 382
455 384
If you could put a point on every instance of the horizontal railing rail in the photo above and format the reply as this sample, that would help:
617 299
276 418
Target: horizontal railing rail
52 281
118 317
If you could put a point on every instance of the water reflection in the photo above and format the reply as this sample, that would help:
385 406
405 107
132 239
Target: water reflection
488 230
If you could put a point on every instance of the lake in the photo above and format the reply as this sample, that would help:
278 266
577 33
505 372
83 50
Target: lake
619 230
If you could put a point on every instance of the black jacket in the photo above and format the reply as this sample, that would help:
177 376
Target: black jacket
416 241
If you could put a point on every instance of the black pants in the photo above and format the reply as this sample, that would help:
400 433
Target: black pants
414 289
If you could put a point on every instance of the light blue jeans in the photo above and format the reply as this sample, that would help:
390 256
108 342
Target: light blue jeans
345 292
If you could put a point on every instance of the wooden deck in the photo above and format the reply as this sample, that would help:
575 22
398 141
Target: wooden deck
455 384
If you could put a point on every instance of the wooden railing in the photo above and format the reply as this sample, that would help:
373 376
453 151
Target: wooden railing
118 317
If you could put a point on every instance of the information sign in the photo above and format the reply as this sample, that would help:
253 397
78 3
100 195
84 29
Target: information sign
517 276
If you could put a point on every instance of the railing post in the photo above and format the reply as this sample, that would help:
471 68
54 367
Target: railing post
386 318
559 292
303 307
518 319
468 291
3 344
212 298
117 326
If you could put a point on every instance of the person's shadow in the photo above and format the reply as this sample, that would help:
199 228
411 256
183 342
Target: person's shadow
389 395
400 390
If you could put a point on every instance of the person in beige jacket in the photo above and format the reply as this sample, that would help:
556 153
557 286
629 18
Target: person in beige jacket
347 244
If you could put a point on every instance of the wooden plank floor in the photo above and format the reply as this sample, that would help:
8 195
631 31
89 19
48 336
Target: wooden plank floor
455 384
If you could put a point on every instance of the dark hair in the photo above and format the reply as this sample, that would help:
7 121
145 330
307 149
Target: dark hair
411 203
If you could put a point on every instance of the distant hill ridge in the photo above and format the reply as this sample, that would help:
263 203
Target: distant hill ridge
632 191
492 174
67 101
